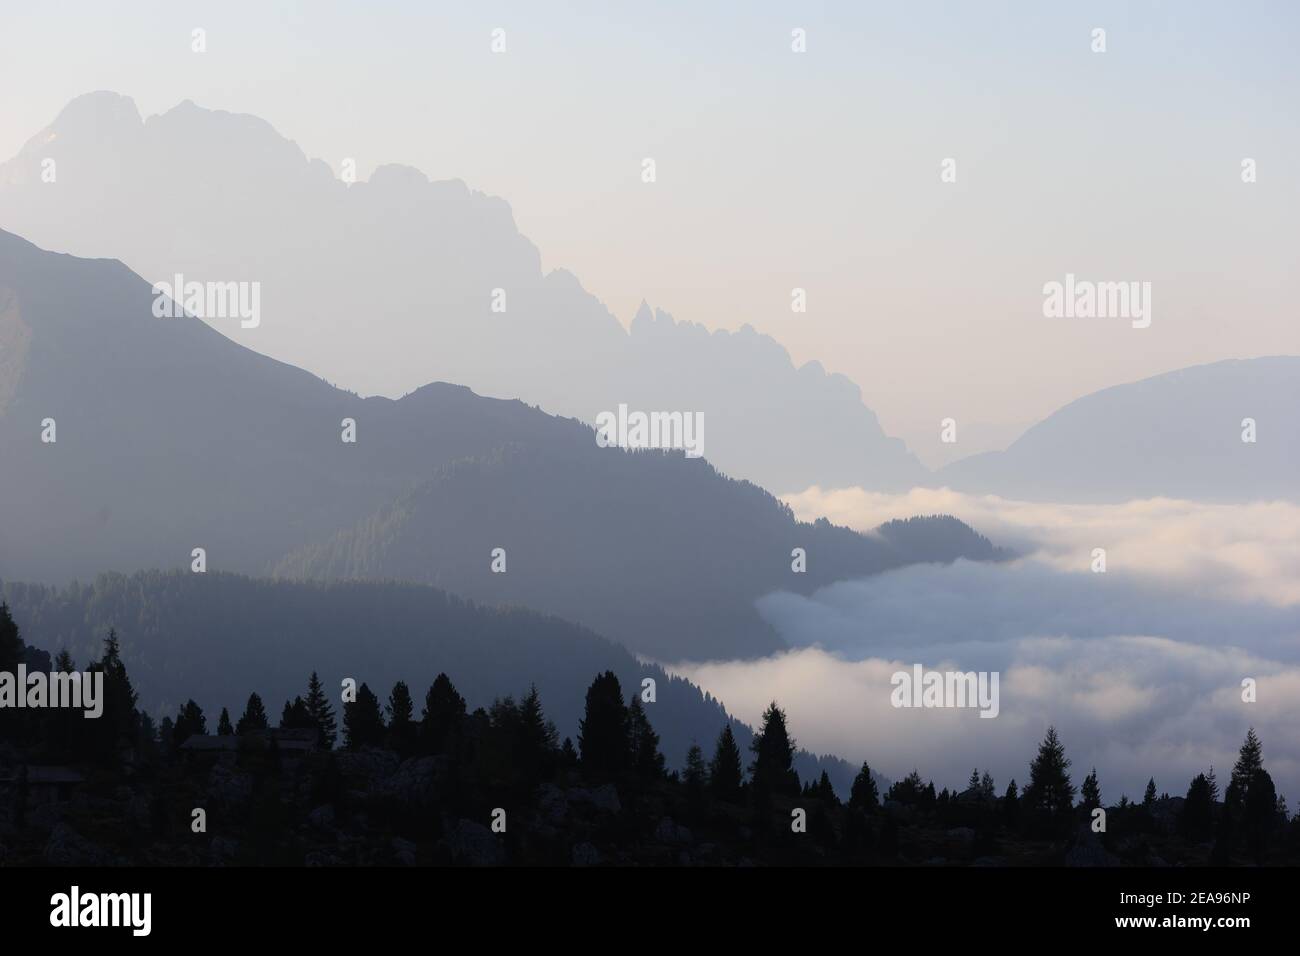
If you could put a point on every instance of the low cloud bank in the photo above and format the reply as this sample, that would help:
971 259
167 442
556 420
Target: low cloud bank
1140 668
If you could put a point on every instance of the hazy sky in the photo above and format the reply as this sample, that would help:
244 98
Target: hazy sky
777 170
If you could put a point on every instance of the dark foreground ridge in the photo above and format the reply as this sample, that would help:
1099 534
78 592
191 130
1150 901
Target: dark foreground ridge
439 784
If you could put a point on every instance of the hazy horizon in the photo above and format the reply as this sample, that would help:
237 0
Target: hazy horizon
771 176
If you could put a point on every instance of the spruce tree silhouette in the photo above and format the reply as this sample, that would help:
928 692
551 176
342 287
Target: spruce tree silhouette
296 716
1261 813
772 772
322 713
1149 795
536 739
824 791
11 646
118 726
190 722
1011 805
1250 761
910 791
402 730
864 795
363 724
224 727
643 742
987 788
604 731
12 653
254 716
1050 792
1196 819
1090 792
725 773
695 778
568 754
442 721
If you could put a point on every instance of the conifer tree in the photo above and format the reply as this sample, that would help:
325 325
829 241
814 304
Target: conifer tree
535 749
254 716
1260 816
1011 804
1196 819
443 719
1050 790
1149 795
296 717
321 711
190 722
1090 792
63 663
695 776
864 795
363 724
724 769
1213 781
643 742
974 782
824 791
1250 761
987 790
224 727
910 791
568 753
12 649
401 725
537 732
166 735
146 738
118 725
604 731
772 772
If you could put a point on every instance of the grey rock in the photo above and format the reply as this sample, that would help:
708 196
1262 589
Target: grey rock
473 844
1088 851
415 782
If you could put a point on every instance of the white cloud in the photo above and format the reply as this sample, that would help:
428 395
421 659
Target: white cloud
1140 668
1240 551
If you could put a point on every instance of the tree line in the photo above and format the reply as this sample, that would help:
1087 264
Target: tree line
506 751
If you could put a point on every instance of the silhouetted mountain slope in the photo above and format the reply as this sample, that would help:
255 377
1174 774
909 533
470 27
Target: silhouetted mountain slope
171 437
1177 435
215 637
388 284
689 562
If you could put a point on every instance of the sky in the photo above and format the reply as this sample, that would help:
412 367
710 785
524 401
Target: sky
778 170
